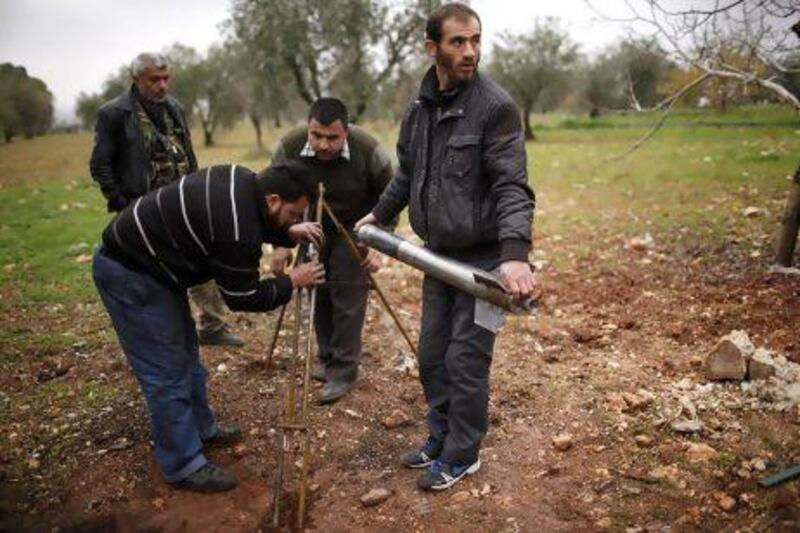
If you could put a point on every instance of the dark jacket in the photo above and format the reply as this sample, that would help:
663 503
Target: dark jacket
119 162
208 224
463 174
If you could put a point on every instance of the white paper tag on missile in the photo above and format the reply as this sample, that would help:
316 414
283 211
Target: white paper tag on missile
489 316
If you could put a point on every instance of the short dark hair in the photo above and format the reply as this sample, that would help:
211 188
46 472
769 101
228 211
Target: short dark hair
433 28
328 110
290 180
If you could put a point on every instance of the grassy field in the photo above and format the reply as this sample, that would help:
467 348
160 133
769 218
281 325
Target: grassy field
692 182
700 177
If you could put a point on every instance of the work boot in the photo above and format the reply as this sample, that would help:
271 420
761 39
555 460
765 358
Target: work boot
209 478
225 436
334 390
221 337
318 372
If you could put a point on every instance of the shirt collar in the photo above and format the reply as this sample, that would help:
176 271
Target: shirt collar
307 151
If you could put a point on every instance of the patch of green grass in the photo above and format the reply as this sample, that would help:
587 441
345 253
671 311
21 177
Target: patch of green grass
45 228
745 116
772 441
727 460
34 342
96 394
697 178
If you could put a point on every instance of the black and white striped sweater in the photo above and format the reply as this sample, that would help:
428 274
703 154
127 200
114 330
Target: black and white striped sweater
209 224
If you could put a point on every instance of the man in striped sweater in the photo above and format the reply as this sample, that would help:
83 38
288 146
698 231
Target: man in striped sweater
210 224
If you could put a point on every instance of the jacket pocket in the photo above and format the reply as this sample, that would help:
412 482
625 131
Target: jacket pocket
462 159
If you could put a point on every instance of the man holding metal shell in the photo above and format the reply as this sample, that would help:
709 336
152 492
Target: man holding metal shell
463 176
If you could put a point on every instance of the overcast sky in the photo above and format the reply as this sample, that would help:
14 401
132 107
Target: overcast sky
74 45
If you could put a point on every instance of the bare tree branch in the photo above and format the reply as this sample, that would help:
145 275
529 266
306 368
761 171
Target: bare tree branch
739 40
670 103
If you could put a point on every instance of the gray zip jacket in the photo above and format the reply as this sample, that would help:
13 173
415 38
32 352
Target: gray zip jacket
463 173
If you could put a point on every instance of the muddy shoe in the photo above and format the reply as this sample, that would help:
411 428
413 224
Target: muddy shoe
221 337
318 372
441 475
424 456
208 479
334 390
225 436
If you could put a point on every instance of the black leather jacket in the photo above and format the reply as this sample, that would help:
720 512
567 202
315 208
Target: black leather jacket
462 173
119 162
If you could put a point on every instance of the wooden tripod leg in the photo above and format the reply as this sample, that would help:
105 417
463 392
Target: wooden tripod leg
354 250
274 342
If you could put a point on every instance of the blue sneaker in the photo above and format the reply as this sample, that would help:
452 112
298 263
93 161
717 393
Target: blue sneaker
424 456
441 475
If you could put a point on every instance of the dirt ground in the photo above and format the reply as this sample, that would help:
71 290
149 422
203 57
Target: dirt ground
79 458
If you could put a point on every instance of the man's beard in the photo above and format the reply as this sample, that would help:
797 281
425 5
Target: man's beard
448 64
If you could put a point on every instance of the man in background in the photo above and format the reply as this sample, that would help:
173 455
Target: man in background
355 170
142 142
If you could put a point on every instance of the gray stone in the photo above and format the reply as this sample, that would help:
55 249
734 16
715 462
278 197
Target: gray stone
562 442
398 418
687 426
375 497
460 497
761 365
728 359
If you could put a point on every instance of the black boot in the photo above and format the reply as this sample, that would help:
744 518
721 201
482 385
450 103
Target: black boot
221 337
208 478
318 372
225 436
334 391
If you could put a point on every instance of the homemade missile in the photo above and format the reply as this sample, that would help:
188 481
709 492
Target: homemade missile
479 283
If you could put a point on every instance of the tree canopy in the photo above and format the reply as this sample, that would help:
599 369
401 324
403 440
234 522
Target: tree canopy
26 104
533 64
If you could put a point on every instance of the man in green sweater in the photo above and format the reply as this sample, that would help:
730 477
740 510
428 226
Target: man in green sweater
354 169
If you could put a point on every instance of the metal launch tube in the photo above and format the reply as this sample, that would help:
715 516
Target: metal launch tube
474 281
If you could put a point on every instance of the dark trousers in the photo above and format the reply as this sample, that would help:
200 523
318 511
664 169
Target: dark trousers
339 315
156 331
454 359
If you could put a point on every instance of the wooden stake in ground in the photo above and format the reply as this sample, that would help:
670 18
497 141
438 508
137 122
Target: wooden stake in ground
787 237
290 422
310 337
289 416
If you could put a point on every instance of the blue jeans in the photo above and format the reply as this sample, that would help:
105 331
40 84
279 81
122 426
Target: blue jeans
156 331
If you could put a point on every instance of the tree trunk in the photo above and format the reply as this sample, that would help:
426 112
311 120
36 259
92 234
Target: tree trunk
208 137
359 110
529 136
787 237
255 118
